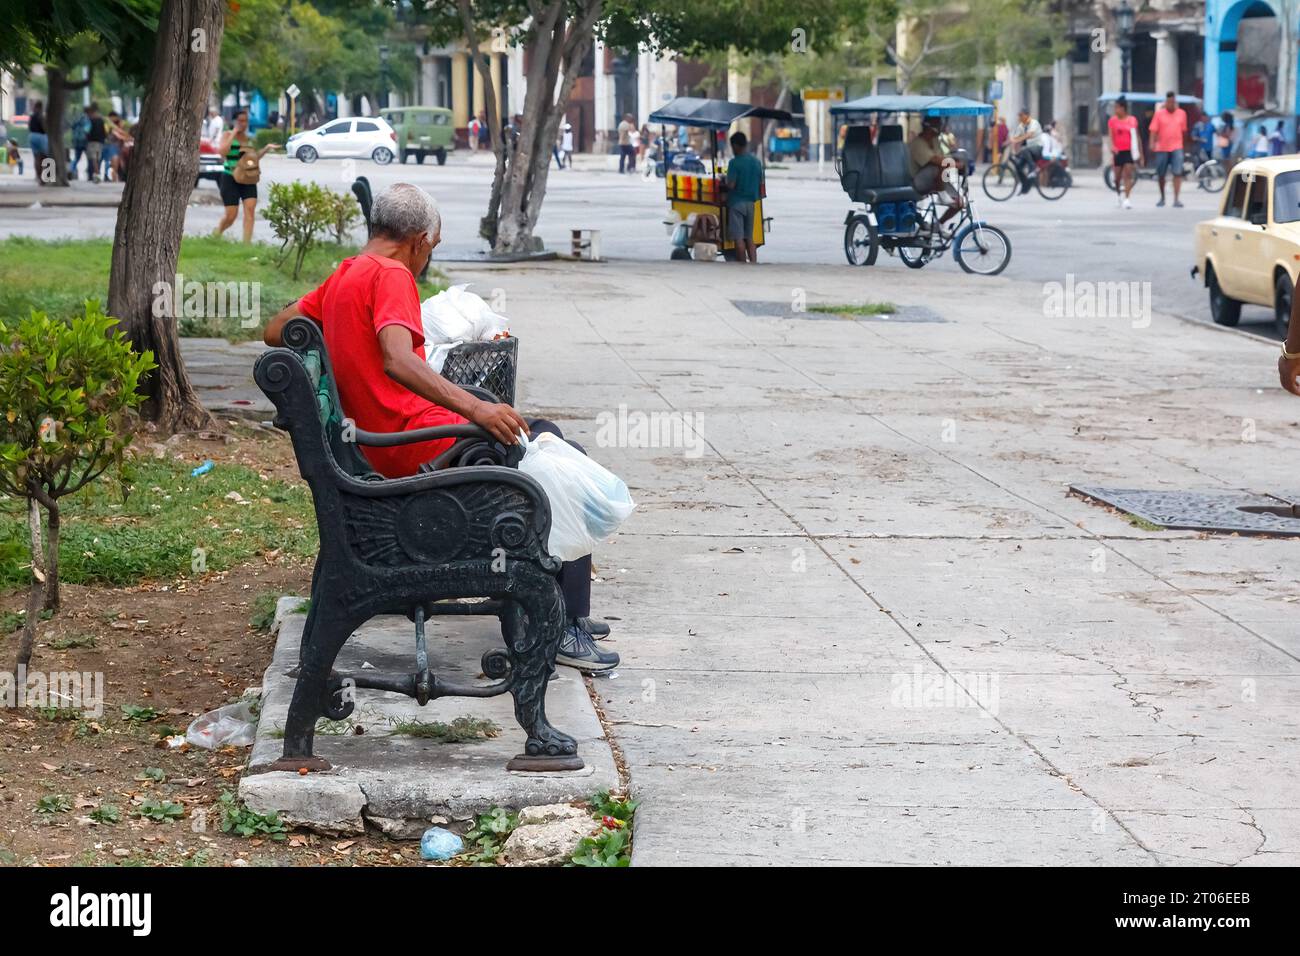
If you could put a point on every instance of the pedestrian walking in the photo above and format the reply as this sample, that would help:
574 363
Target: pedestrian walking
626 152
38 140
472 134
238 183
117 139
1277 140
96 136
80 130
566 144
213 127
1168 133
484 134
1126 150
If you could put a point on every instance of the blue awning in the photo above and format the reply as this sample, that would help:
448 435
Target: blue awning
928 105
1146 98
712 114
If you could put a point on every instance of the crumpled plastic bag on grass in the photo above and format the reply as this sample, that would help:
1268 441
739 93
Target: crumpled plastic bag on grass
455 315
588 502
234 725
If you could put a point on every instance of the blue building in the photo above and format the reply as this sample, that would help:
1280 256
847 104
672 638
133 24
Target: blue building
1250 55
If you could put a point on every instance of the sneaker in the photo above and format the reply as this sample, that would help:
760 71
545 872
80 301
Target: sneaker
1178 204
1161 202
594 626
1127 204
577 649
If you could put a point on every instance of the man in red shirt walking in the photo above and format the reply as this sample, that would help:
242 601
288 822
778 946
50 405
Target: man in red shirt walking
369 313
1168 133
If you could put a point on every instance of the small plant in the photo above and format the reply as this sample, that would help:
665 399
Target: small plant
458 731
68 391
264 611
606 848
299 213
58 713
73 641
850 309
488 835
160 811
346 215
238 819
604 805
139 715
152 774
53 803
106 814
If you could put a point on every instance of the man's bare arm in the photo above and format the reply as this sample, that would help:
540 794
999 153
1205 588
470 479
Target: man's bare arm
273 334
404 367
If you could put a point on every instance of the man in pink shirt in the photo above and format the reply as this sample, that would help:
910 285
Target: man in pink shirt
1168 132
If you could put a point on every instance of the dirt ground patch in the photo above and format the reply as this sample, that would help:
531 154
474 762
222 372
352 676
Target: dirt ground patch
168 651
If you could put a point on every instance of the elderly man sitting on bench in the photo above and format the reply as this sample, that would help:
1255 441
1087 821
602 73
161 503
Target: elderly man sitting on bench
932 170
369 313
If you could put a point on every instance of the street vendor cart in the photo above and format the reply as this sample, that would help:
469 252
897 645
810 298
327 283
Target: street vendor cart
697 199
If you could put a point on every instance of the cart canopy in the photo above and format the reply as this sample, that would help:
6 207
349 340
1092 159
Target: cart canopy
1146 98
712 114
929 105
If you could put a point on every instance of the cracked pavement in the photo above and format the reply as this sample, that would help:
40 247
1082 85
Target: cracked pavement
867 623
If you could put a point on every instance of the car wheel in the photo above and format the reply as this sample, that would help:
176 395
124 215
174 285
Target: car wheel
382 155
1283 293
1224 310
307 154
441 156
419 157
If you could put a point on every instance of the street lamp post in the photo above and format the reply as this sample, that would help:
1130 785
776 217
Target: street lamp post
383 77
1124 16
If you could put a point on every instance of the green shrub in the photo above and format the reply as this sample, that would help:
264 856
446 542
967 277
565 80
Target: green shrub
347 213
264 136
299 213
68 393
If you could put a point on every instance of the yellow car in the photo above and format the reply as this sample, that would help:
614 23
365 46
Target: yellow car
1250 252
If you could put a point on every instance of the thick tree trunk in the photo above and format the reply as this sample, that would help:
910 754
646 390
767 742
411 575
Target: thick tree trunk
151 218
36 593
56 104
560 42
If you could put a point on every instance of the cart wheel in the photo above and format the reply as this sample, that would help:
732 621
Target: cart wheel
729 254
679 253
914 257
861 241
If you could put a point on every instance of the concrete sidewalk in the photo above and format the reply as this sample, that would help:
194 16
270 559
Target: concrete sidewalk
877 518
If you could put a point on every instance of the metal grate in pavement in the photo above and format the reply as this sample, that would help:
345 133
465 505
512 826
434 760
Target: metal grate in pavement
1225 512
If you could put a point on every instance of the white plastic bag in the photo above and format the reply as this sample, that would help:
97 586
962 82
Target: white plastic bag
588 502
455 315
234 725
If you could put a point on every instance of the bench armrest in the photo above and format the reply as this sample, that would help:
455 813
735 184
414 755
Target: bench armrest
415 435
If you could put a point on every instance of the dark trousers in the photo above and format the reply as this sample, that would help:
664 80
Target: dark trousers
574 576
626 155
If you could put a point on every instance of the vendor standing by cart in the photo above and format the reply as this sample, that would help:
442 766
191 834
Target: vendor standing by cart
744 189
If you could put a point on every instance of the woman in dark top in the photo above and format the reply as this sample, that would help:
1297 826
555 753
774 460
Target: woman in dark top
233 195
38 141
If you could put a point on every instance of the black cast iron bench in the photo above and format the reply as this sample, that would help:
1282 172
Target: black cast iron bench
470 525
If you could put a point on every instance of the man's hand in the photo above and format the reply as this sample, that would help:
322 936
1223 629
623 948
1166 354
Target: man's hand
502 421
1288 369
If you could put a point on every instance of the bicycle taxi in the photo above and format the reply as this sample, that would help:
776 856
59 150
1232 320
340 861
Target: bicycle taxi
874 170
695 196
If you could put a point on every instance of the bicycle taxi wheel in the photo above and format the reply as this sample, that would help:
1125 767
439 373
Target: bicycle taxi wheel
1053 181
861 241
982 249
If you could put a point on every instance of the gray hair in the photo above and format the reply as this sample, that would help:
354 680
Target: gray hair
403 210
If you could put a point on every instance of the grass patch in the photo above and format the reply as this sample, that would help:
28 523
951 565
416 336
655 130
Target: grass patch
264 604
58 276
458 731
1142 523
851 309
168 525
72 642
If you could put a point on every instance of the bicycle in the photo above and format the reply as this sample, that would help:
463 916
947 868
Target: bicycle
1211 175
1003 179
980 249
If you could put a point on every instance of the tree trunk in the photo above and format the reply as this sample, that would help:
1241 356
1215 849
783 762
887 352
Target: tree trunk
519 186
56 104
151 219
51 602
36 593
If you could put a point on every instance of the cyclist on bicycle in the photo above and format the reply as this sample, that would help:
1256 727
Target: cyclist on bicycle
1027 141
932 171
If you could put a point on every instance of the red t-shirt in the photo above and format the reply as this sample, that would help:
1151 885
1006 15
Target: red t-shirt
1168 129
1121 133
363 295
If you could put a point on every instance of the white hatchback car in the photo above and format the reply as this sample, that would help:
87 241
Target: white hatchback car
356 137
